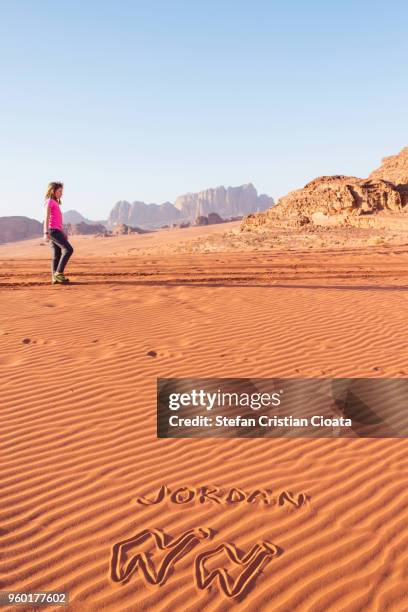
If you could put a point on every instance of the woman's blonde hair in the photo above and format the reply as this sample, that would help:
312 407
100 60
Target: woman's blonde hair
51 189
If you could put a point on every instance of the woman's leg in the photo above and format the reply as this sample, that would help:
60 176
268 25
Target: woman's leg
59 239
56 256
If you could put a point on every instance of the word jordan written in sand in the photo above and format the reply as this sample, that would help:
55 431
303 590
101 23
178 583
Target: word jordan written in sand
215 495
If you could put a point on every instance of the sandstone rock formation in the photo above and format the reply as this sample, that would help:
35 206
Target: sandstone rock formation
209 219
122 229
214 218
343 200
340 195
393 168
201 220
19 228
84 228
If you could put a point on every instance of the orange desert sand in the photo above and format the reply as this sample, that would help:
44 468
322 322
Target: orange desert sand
80 458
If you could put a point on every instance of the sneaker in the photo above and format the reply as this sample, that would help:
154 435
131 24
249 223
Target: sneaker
60 278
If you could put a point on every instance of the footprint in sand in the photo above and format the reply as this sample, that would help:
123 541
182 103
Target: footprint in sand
151 354
40 341
43 341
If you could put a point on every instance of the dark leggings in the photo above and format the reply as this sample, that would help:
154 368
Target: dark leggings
62 250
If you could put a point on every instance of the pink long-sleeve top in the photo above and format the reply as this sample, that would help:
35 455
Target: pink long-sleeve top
55 219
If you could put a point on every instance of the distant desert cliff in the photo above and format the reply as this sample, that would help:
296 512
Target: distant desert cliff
230 202
19 228
143 215
226 202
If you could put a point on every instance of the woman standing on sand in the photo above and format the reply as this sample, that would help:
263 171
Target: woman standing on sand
53 232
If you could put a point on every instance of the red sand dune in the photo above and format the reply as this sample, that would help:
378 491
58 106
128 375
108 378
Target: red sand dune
79 367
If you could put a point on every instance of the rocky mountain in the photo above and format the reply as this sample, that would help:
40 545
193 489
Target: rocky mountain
339 199
19 228
84 228
74 217
230 202
393 168
143 215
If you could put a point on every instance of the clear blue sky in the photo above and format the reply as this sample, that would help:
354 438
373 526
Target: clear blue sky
148 100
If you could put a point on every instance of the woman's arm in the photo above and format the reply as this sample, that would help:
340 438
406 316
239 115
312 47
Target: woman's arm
47 222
